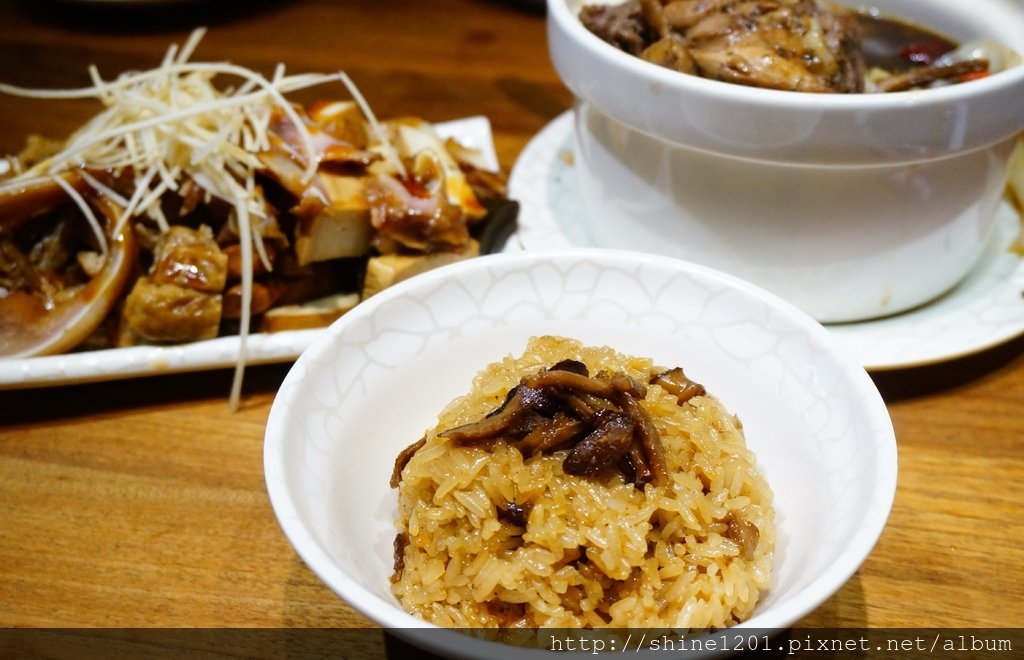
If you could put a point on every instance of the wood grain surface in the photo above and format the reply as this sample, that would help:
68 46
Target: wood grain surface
142 503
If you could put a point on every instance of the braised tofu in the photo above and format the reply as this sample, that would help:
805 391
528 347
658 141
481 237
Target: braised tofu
341 229
388 269
317 313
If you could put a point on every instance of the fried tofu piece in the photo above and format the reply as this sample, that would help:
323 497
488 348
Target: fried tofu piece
180 299
190 258
342 229
163 312
388 269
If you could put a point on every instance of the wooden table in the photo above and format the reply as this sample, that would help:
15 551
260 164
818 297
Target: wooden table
142 503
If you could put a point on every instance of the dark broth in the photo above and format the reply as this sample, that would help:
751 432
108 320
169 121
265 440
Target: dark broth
896 45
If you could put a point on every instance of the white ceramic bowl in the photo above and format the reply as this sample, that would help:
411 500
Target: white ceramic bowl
851 206
381 374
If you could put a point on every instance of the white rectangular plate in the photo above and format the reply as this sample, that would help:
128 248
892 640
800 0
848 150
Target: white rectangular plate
262 348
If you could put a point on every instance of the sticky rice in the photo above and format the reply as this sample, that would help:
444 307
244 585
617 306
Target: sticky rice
490 538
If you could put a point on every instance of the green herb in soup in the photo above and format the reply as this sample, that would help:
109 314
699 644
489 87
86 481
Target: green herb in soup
798 45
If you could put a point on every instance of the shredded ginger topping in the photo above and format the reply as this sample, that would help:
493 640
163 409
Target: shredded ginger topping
170 124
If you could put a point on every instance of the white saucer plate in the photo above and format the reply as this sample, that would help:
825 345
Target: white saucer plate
986 309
